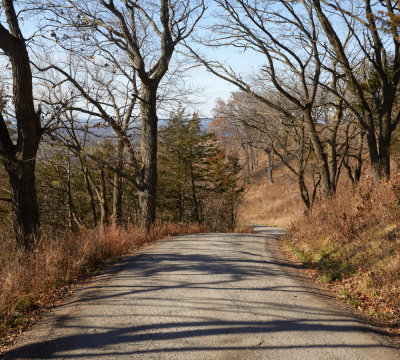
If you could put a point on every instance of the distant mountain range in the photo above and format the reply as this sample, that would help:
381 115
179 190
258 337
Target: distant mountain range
96 134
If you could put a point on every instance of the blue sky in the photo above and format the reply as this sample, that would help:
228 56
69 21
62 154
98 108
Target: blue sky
214 87
210 87
243 63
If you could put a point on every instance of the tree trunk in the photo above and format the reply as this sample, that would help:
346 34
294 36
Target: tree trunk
20 159
194 196
118 184
380 160
359 159
327 187
181 206
379 149
85 170
69 195
252 158
24 204
303 190
247 161
385 140
268 150
148 174
103 198
332 163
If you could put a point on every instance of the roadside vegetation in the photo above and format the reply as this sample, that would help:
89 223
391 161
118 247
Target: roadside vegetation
34 281
88 222
349 243
352 241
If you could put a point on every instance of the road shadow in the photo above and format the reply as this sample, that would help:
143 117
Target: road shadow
111 338
167 282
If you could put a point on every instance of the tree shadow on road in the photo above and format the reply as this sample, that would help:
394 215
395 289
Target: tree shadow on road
158 278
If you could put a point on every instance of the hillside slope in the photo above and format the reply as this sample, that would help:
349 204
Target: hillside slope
274 205
350 242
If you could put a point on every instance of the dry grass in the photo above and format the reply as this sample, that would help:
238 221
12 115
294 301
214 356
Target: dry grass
31 281
353 241
275 205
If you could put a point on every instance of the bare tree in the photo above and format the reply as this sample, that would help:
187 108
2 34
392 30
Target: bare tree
283 137
371 64
146 36
287 35
18 153
244 125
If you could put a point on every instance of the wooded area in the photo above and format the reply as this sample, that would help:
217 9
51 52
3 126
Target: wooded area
330 80
97 69
90 79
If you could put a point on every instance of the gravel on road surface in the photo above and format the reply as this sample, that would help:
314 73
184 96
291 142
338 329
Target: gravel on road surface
204 296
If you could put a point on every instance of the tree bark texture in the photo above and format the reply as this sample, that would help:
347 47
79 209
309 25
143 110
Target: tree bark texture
24 202
148 173
85 170
19 158
327 187
194 196
268 151
118 184
103 197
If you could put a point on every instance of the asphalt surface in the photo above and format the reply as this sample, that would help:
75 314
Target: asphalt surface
206 296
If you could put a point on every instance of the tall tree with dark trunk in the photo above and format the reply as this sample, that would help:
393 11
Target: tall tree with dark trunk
19 154
146 33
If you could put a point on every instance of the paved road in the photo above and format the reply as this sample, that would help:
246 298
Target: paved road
208 296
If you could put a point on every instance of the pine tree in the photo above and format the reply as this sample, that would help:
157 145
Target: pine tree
228 189
183 148
197 182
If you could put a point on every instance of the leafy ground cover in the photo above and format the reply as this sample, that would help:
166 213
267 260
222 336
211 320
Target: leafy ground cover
352 243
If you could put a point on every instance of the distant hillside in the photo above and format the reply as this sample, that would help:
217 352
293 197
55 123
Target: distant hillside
98 132
264 204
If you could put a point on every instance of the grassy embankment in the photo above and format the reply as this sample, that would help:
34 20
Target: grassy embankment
350 242
31 282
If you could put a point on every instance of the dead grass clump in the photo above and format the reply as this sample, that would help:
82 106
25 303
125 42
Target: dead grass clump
33 280
354 239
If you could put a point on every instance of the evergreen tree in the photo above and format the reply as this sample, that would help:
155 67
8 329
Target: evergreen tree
183 148
197 183
228 190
